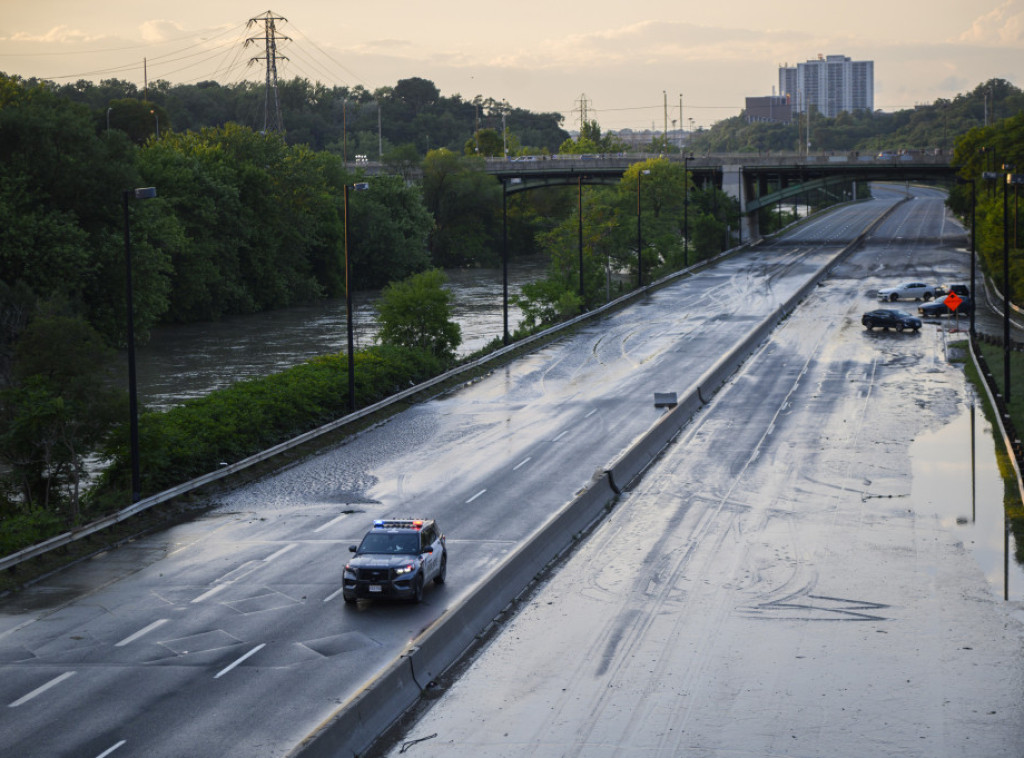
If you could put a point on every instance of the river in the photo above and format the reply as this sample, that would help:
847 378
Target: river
191 360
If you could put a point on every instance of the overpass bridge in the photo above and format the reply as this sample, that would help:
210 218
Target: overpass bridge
756 181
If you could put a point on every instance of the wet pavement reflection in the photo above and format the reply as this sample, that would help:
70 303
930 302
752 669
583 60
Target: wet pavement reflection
959 482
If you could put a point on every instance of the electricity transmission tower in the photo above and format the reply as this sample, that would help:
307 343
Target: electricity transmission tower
271 56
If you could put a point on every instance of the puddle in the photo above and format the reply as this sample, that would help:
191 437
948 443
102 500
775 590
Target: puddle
967 497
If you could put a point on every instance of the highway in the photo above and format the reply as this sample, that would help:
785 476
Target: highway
228 636
789 578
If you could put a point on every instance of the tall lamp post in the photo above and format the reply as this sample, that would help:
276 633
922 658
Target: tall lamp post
1011 178
358 187
687 157
579 231
139 193
639 239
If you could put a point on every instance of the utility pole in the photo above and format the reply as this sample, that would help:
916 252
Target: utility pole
271 56
664 105
682 129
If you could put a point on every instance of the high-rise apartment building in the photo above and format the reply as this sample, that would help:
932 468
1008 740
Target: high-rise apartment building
831 84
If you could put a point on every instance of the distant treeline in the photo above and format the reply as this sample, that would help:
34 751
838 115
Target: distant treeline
347 121
926 127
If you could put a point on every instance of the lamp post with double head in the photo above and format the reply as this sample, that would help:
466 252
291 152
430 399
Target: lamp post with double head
139 193
358 187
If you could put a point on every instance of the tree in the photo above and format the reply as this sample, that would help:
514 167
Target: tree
416 313
487 142
464 201
59 409
388 232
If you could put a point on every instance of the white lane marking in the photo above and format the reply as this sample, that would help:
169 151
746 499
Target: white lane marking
476 496
111 749
225 582
240 660
40 690
332 522
131 638
591 413
521 464
280 552
560 436
210 593
333 595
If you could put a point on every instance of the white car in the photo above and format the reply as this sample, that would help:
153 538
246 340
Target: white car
909 291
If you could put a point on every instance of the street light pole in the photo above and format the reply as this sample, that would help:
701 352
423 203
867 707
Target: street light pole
504 262
140 193
358 187
579 218
686 208
639 239
1006 289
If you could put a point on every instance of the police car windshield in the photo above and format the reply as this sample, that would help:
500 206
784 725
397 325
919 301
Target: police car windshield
383 542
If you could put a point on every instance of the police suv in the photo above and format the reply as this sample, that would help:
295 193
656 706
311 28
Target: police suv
396 559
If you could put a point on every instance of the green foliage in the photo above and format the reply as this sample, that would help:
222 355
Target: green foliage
57 410
592 141
609 229
388 232
986 150
464 201
486 142
416 313
21 529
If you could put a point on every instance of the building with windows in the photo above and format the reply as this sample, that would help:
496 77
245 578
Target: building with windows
770 109
831 84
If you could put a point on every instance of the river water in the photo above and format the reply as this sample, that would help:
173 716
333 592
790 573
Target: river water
188 361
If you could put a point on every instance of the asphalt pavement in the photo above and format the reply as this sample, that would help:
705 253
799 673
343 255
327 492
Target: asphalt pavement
794 577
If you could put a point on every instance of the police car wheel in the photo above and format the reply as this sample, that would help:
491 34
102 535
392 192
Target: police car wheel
417 590
442 574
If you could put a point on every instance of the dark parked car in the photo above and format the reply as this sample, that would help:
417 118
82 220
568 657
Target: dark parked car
939 307
890 319
395 560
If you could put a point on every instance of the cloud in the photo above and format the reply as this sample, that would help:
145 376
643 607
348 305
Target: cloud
57 35
1003 26
159 30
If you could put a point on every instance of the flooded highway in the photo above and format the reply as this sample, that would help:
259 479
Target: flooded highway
767 588
813 568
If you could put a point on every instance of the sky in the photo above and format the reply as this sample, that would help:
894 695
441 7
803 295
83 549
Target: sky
623 63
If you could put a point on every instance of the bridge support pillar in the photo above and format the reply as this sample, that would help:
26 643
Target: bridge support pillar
733 184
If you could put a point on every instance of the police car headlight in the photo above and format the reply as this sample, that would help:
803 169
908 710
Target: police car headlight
407 568
351 573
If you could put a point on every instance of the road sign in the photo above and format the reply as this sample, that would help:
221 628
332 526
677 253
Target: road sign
953 301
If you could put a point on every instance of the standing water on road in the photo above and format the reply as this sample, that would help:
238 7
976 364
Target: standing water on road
957 479
191 360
